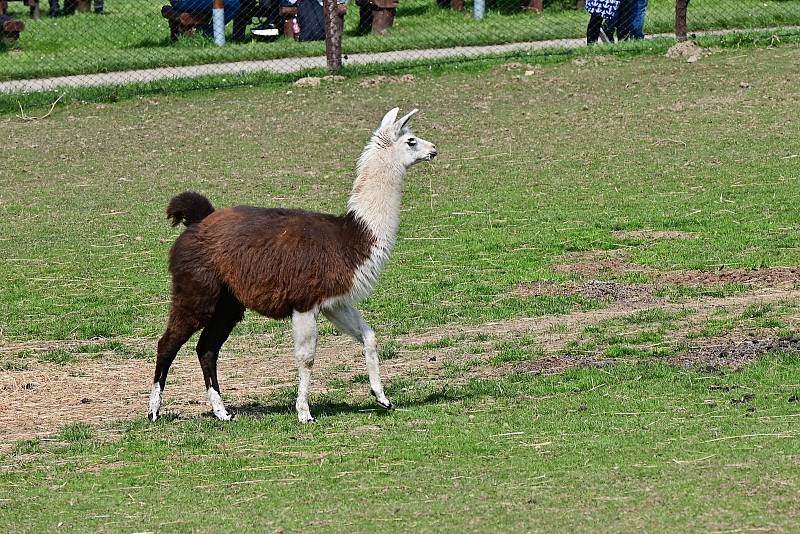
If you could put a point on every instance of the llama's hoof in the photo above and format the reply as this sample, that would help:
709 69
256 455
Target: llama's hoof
305 418
385 405
152 416
383 402
225 416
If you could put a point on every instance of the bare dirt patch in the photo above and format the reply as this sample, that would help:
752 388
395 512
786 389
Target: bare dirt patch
44 397
689 50
41 399
591 289
597 262
723 352
613 263
550 365
775 277
653 235
377 81
733 351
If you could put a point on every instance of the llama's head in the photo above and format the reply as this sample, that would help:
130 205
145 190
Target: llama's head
396 138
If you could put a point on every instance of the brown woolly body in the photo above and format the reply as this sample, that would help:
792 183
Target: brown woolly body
272 261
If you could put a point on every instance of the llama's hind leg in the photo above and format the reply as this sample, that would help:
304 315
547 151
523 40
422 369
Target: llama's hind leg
349 320
229 311
193 303
178 332
304 332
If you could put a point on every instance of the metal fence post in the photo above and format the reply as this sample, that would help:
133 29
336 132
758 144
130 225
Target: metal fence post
479 9
333 36
218 18
680 19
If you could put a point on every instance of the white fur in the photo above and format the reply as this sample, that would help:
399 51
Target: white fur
349 320
377 195
155 401
218 406
304 333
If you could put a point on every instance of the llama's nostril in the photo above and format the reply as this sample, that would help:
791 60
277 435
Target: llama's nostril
434 153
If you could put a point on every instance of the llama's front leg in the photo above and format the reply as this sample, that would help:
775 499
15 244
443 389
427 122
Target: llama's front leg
349 320
304 332
373 367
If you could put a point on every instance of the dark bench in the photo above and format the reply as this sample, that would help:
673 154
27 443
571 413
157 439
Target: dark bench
32 4
10 28
183 23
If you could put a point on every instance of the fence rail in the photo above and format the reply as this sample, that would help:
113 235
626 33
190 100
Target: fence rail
83 42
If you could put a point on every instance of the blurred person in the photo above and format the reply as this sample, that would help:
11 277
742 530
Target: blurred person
599 11
628 21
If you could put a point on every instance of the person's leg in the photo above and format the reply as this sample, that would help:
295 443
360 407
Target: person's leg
624 19
54 8
593 28
610 25
98 6
637 22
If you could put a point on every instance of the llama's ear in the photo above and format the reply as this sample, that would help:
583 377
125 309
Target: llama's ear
402 122
390 117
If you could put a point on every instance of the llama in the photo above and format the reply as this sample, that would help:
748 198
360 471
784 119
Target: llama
286 263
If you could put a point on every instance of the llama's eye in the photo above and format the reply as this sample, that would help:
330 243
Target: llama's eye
411 142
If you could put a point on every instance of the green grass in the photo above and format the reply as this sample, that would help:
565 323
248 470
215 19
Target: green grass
616 449
31 103
520 349
531 168
87 186
134 35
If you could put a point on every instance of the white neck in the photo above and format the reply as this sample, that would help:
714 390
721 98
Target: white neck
375 201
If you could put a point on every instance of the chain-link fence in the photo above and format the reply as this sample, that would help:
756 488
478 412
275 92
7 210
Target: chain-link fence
118 41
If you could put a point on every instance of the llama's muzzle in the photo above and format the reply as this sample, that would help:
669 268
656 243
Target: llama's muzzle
432 154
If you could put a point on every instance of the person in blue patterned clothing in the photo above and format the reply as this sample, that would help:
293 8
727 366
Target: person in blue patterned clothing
628 23
599 10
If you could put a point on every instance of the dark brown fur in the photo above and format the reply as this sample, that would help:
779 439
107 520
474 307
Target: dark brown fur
272 261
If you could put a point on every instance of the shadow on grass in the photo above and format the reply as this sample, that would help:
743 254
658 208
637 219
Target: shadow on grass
331 408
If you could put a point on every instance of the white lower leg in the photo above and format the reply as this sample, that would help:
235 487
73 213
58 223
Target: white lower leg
218 406
155 402
304 332
373 368
303 411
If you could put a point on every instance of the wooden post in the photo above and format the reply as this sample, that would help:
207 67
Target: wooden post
333 36
680 19
536 5
457 5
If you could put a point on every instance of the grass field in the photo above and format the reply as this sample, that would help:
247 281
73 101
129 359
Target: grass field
589 322
134 35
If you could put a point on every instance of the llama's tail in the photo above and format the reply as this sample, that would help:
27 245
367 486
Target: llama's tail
189 208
